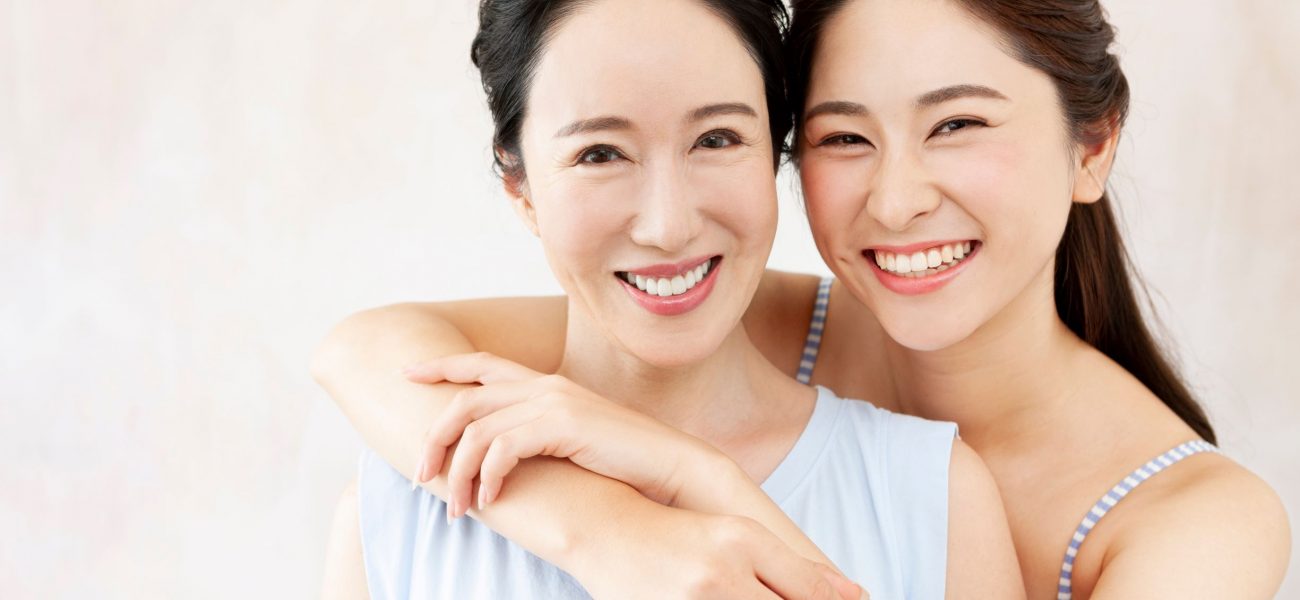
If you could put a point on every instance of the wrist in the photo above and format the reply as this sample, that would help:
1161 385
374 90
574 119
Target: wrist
704 479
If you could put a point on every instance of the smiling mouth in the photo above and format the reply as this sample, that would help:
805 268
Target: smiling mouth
923 263
670 285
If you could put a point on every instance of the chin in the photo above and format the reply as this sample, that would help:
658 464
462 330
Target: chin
923 333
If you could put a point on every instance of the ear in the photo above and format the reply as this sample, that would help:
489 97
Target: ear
517 192
1094 167
516 187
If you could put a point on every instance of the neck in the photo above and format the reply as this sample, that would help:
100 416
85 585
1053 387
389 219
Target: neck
730 395
1008 381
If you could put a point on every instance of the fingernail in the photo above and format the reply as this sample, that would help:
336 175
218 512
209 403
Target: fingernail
481 501
418 478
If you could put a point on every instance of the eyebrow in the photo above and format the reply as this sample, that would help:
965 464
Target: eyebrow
954 92
939 96
594 124
836 107
607 123
728 108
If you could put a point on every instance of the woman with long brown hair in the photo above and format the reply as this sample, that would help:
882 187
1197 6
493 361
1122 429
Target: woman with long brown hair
953 156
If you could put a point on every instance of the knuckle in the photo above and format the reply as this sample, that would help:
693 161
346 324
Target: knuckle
473 433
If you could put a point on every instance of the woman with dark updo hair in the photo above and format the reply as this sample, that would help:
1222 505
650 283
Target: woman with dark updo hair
953 156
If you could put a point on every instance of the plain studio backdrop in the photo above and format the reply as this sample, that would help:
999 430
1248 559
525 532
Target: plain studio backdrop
192 193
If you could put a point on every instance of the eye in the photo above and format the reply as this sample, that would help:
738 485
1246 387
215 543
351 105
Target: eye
843 139
714 140
599 155
955 125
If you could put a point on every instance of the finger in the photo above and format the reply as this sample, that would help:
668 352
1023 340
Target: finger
467 406
758 590
534 438
788 574
845 587
479 367
479 435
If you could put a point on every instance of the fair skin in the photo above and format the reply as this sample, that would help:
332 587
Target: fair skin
659 183
1056 421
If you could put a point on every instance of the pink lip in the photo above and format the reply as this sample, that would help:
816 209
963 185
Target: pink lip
673 305
670 270
915 286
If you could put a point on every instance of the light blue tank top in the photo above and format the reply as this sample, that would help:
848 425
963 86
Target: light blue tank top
868 486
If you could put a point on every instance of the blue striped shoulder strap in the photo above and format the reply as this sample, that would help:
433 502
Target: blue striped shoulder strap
813 342
1117 493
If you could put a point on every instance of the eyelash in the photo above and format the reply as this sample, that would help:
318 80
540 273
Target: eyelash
846 139
965 122
731 137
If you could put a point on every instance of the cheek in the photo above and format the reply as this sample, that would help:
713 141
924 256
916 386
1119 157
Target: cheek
743 202
578 224
834 194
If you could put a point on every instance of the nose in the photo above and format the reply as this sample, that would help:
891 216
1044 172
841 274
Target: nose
669 216
901 193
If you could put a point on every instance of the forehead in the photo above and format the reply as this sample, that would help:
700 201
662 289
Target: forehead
878 50
641 59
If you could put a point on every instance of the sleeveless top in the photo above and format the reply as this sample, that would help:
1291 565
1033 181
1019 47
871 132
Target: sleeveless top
1065 590
868 486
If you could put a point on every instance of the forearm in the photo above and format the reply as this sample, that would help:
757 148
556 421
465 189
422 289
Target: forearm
547 504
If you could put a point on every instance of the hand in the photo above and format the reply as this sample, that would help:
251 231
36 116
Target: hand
672 553
516 413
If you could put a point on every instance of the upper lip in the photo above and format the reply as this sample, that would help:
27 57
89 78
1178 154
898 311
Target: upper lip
670 269
919 246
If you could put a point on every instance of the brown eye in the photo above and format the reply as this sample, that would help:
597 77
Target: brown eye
717 139
955 125
601 155
843 139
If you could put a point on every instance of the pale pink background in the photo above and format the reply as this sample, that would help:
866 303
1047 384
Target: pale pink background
191 193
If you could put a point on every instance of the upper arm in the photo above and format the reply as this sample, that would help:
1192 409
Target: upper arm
981 555
1224 535
345 573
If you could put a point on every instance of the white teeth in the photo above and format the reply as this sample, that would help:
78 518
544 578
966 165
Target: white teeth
918 261
926 262
669 286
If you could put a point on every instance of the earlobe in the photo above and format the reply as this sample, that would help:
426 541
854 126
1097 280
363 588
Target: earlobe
1094 169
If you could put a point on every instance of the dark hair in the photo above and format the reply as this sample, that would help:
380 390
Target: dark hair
1070 41
512 33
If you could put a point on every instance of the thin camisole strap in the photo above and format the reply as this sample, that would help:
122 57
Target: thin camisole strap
813 343
1113 497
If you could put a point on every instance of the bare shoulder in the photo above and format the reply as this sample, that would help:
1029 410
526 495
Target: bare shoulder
778 316
981 553
1212 529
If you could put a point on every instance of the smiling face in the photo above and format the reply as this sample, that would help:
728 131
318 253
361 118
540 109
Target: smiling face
648 174
937 169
